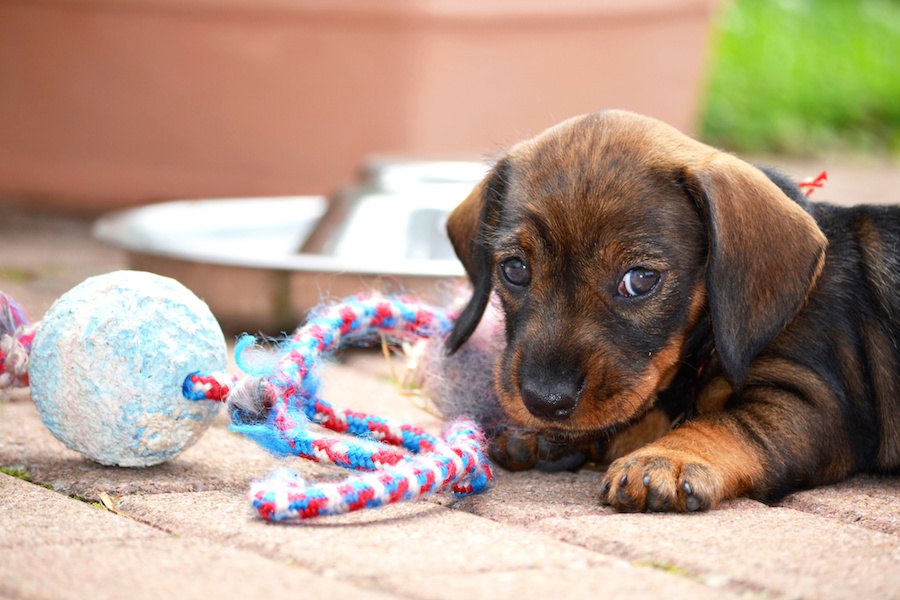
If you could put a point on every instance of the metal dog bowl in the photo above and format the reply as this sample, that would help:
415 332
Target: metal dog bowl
261 263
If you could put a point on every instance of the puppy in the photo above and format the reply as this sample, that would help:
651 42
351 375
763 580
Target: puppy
647 278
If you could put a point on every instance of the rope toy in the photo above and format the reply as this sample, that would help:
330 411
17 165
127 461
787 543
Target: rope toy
144 327
811 184
16 338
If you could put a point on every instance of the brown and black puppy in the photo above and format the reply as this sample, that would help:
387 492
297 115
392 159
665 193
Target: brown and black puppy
644 274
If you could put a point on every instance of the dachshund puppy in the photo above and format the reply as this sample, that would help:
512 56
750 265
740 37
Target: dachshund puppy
647 278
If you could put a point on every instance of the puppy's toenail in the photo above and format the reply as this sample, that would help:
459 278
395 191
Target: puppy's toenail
646 481
687 488
624 480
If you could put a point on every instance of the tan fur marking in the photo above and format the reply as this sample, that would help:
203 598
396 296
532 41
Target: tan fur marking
714 396
721 447
662 369
649 428
512 405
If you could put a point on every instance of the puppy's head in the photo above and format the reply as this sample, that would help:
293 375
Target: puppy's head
608 238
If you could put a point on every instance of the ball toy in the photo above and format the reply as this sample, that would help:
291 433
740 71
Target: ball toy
108 364
128 369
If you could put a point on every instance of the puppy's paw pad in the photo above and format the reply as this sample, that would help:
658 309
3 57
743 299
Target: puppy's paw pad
659 484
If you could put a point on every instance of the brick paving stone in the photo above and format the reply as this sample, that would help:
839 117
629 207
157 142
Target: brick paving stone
56 547
420 549
866 500
166 568
422 536
851 180
747 544
527 497
219 460
363 381
31 515
574 583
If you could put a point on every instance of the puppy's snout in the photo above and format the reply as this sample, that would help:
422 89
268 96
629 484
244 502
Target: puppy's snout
552 398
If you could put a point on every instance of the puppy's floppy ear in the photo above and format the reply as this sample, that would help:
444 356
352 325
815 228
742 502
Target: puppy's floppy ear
469 227
765 254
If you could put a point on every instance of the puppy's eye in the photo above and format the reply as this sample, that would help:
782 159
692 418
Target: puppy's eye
515 271
637 282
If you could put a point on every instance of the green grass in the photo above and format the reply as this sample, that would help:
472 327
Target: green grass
26 476
665 567
23 475
806 76
17 473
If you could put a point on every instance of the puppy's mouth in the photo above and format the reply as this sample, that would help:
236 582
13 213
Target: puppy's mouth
588 416
580 395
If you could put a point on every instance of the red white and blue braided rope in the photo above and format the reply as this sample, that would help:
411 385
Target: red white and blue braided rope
16 338
276 409
456 464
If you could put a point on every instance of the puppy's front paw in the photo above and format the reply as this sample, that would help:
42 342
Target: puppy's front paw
514 449
661 480
519 449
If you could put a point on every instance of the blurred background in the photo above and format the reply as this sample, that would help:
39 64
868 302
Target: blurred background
107 103
111 104
805 77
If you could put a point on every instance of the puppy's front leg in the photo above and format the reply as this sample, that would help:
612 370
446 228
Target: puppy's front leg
773 442
694 467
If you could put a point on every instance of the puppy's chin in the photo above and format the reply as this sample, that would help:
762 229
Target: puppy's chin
600 408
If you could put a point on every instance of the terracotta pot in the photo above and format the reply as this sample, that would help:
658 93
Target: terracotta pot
111 102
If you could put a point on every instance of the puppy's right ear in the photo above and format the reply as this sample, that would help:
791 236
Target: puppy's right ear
469 227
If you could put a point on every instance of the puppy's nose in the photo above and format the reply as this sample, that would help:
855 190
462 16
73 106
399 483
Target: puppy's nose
554 400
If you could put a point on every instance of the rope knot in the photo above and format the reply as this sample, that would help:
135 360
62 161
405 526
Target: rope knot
15 354
251 399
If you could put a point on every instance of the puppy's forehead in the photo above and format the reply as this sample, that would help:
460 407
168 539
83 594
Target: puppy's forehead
595 171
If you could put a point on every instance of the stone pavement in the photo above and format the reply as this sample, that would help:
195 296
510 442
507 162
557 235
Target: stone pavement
183 529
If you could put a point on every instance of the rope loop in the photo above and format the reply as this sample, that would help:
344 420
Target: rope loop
276 409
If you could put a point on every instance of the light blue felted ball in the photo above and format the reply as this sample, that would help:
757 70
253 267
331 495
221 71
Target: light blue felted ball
108 363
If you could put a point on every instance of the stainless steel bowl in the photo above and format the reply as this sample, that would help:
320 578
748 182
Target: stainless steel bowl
261 263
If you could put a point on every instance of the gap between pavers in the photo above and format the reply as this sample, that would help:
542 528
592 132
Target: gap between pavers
421 536
419 549
220 460
866 500
57 547
573 583
778 550
744 544
31 515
